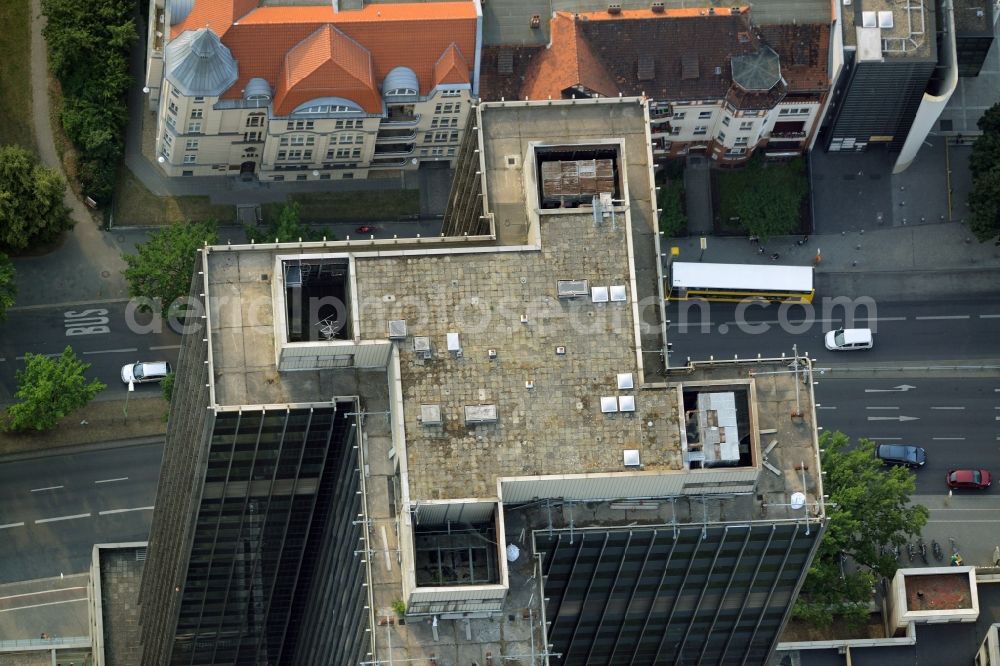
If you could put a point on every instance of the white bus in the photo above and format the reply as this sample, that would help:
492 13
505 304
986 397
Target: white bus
738 282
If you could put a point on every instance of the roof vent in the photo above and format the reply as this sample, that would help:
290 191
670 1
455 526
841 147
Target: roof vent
625 381
599 294
572 288
505 62
397 329
430 415
626 403
614 8
885 20
718 71
869 20
536 21
512 161
422 346
647 67
630 458
454 346
618 294
657 7
476 414
609 404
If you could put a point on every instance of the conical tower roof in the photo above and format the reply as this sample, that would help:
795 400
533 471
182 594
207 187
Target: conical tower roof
199 64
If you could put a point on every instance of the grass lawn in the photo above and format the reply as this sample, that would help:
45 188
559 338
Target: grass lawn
363 206
137 206
15 74
105 422
774 190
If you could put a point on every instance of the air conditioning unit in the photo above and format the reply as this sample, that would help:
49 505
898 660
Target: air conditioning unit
614 8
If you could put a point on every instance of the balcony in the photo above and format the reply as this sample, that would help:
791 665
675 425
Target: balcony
401 116
396 135
788 135
389 162
394 149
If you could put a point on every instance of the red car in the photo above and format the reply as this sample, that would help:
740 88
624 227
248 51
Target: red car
366 229
976 479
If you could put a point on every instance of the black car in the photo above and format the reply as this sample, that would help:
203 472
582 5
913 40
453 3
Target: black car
901 454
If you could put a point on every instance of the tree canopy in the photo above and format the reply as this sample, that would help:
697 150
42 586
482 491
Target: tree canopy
984 163
869 507
8 288
287 228
161 269
88 44
48 389
31 201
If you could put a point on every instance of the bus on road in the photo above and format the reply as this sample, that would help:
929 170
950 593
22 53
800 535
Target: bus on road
738 282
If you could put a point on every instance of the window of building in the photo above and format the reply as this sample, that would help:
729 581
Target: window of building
190 159
199 99
251 136
451 93
172 122
359 138
343 153
722 136
725 120
255 120
194 127
279 178
679 115
733 152
173 92
167 139
301 176
792 111
437 152
298 140
196 113
746 125
192 144
453 136
440 137
451 152
300 125
345 138
704 115
674 131
742 140
701 129
171 107
325 108
348 124
356 153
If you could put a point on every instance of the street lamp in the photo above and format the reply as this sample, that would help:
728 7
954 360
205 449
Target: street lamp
131 388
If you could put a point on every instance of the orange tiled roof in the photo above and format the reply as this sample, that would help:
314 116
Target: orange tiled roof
327 63
567 62
451 67
409 34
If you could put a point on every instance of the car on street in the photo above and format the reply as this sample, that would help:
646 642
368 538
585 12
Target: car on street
974 479
145 371
849 339
901 454
367 229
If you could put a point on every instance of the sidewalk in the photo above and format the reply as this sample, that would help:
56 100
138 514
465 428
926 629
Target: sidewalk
909 262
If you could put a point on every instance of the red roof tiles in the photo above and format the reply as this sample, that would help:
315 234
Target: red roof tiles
451 67
568 62
414 35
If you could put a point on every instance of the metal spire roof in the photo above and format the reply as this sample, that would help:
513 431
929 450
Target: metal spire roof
760 71
198 64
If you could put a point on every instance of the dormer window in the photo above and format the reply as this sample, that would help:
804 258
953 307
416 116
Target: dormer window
401 92
327 106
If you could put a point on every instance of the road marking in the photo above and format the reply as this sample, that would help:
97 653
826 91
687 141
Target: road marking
881 407
112 351
164 347
32 594
881 318
21 358
893 418
874 438
819 407
53 603
70 304
997 316
3 527
939 317
38 490
948 439
120 478
901 387
947 407
53 520
138 508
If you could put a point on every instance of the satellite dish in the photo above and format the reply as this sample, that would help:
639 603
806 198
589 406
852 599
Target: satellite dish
798 500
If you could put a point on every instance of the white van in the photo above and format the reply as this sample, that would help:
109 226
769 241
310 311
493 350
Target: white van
849 339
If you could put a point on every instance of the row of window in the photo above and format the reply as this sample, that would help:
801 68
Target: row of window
294 155
792 111
441 137
444 122
448 108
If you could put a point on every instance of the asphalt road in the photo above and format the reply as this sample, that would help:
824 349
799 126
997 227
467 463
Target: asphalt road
910 331
105 334
54 509
953 418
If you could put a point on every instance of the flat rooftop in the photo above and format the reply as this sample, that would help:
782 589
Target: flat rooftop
509 21
890 30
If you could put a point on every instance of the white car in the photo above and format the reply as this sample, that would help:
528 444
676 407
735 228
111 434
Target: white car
849 339
145 371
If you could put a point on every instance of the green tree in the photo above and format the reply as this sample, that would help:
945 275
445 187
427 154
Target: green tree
48 389
869 507
167 386
31 201
287 228
161 269
984 163
8 288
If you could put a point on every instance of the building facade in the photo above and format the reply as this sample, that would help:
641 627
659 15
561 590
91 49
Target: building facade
719 85
306 92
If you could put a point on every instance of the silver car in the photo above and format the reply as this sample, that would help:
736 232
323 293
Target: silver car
145 371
